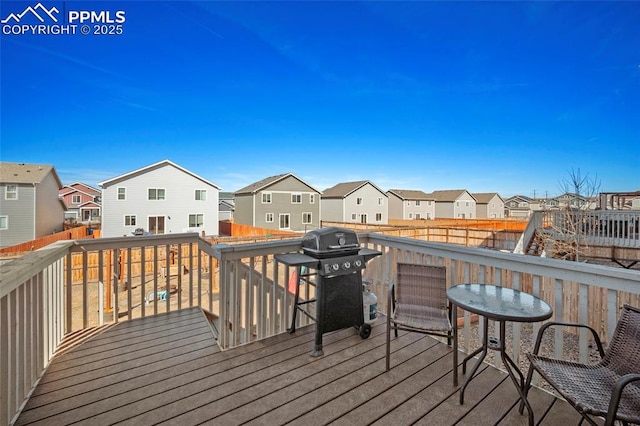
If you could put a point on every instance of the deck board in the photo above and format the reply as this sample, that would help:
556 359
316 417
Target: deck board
168 369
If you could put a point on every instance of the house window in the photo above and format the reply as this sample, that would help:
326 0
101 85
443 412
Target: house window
75 199
306 218
11 192
268 218
353 216
378 217
130 220
266 198
4 222
284 221
312 198
201 195
457 203
156 193
380 201
358 201
410 215
296 198
467 204
417 203
363 218
196 220
122 193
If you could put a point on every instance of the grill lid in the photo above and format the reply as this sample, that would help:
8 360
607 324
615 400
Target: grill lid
330 242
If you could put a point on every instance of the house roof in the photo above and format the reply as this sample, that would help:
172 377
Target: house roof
26 173
267 182
342 190
520 197
410 194
448 195
151 167
82 187
485 197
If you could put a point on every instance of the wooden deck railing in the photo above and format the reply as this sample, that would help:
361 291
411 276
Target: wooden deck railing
619 228
74 285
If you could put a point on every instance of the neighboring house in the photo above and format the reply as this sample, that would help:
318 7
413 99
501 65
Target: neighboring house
410 204
226 206
29 204
489 205
455 203
82 202
518 206
355 202
282 202
574 201
161 198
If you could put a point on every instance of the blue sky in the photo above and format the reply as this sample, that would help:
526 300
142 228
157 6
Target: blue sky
504 97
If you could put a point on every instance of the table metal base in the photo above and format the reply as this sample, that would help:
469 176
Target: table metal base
496 345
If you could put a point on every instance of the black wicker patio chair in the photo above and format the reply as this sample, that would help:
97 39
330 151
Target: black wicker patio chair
418 302
609 389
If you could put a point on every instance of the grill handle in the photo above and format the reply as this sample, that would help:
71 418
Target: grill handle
344 246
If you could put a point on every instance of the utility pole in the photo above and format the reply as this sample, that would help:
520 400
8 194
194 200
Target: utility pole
534 194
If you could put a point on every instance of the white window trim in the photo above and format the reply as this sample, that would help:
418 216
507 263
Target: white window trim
135 217
263 195
310 218
266 217
280 220
201 192
7 192
6 218
312 198
298 198
196 220
157 189
118 193
74 197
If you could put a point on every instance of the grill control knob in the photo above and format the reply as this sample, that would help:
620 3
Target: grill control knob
346 265
335 266
358 263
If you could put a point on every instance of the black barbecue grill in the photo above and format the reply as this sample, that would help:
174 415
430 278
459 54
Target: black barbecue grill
338 260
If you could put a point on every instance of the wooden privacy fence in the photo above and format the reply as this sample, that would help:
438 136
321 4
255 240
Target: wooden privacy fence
70 234
154 261
498 239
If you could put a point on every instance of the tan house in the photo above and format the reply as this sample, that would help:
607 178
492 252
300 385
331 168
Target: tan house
29 204
455 203
410 204
282 202
355 202
489 205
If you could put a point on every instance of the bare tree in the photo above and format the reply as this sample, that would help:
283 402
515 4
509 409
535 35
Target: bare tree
571 223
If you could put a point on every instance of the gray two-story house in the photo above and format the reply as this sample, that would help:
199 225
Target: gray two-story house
455 203
281 202
410 204
355 202
489 205
29 204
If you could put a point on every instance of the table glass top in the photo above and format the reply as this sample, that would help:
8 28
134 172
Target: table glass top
500 303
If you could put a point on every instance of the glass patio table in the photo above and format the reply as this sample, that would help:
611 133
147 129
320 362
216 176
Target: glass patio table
499 304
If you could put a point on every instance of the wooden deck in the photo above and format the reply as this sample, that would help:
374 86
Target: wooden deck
168 369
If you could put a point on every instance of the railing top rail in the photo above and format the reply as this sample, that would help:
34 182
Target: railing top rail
598 275
17 271
90 244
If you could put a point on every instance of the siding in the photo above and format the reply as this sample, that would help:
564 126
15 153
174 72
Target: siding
178 204
21 216
369 205
281 193
49 210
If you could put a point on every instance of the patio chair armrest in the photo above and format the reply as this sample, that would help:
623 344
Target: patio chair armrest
545 326
391 305
616 394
